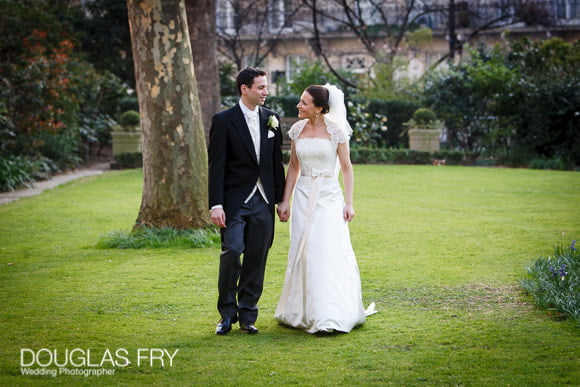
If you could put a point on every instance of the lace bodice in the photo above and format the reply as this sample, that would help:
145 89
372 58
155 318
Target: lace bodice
336 135
317 156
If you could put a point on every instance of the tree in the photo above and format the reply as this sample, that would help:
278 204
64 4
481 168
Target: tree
475 18
201 20
174 147
264 20
386 29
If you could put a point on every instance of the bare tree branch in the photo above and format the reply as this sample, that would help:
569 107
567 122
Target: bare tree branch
323 54
254 14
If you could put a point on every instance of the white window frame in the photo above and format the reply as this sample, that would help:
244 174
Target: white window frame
292 63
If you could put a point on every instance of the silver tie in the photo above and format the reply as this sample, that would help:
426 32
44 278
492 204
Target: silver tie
255 132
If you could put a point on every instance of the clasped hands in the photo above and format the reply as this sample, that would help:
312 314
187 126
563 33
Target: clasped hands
283 211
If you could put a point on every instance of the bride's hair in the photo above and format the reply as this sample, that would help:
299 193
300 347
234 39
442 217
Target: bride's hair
319 97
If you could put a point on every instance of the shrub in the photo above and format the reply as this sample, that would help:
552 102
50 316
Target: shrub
397 111
165 237
517 102
13 174
545 163
424 116
285 105
554 282
129 120
451 157
54 103
367 127
127 161
403 156
19 171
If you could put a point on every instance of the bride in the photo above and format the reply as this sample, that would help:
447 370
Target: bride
322 289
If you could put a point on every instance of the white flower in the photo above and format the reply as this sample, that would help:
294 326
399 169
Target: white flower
273 122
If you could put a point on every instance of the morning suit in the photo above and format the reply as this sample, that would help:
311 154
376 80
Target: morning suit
234 171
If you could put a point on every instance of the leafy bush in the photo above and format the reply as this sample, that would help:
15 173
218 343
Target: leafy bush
127 161
424 116
19 171
545 163
129 120
517 102
554 282
13 174
166 237
285 105
366 126
397 112
451 157
227 74
53 103
403 156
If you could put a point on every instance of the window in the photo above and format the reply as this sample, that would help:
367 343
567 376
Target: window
280 14
354 63
567 9
225 16
293 65
254 61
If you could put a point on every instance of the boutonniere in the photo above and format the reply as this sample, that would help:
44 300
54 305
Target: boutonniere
273 123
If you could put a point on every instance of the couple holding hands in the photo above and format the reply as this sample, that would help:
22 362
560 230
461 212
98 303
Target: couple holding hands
322 288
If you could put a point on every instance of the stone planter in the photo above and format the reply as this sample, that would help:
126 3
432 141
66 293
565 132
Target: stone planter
426 140
126 142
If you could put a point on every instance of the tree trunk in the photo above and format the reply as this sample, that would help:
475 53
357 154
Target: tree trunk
452 33
174 147
201 16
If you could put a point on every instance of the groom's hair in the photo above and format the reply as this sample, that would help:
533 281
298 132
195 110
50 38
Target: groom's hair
246 77
320 97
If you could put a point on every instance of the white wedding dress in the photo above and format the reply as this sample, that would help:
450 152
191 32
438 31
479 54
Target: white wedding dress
322 288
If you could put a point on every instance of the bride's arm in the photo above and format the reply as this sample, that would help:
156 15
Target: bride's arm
347 179
291 178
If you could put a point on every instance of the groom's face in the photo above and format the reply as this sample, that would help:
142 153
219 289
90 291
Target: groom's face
256 95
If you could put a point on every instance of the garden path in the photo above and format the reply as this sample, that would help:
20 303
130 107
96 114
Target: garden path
55 181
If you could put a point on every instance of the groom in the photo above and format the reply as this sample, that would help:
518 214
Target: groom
246 180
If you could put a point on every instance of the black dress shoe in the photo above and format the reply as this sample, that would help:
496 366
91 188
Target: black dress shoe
248 327
224 326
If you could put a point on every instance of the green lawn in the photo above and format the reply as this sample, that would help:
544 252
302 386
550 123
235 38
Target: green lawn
440 251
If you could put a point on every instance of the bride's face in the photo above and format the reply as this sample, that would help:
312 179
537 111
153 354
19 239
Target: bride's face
306 107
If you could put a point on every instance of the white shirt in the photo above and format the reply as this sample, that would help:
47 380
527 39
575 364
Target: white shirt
253 120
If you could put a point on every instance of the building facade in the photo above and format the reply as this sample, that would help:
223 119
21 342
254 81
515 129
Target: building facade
280 35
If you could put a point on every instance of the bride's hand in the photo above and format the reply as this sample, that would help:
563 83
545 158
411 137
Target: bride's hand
283 211
348 212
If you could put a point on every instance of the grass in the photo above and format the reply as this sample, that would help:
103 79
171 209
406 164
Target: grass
441 251
151 237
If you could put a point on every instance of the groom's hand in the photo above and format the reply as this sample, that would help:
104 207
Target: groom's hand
218 217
